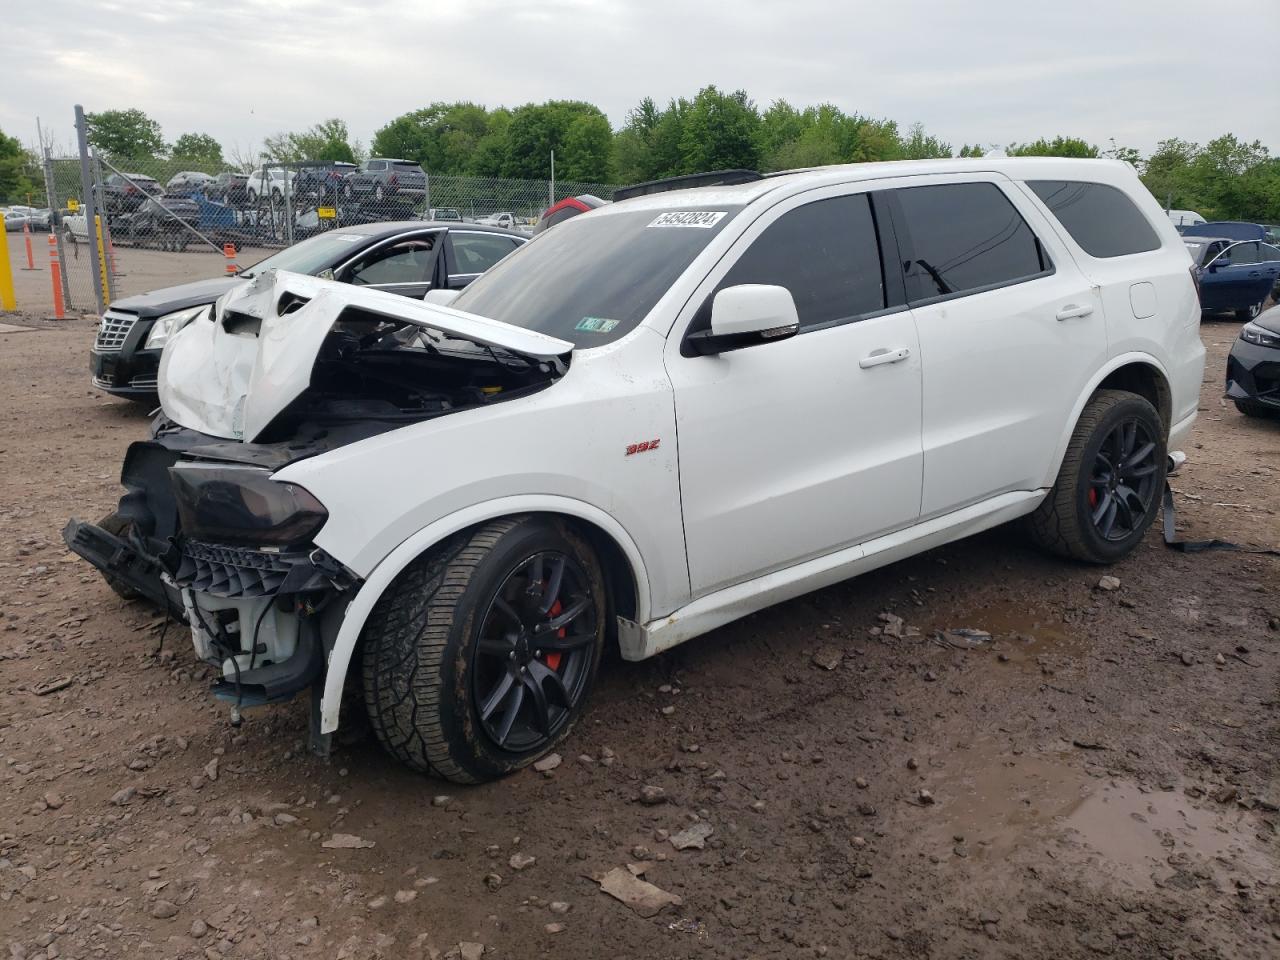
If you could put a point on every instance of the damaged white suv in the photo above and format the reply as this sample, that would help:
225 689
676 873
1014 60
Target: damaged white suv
656 418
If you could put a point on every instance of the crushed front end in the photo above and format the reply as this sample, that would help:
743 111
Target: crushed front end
284 369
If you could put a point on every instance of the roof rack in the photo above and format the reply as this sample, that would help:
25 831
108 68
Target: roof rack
716 178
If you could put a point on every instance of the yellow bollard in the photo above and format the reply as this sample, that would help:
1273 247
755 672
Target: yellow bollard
102 258
7 299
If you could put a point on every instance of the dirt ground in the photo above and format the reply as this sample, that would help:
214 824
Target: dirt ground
1101 779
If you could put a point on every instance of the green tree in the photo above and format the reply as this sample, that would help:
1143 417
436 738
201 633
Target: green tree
125 134
587 150
1057 147
442 137
535 130
198 149
720 132
17 173
972 150
327 142
919 146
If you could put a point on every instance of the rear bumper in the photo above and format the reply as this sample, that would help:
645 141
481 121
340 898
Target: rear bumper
1253 373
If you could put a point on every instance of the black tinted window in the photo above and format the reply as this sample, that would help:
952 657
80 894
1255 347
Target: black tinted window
1267 253
1243 253
964 236
825 253
477 252
1100 218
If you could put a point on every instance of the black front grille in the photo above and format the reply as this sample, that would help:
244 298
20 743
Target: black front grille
234 571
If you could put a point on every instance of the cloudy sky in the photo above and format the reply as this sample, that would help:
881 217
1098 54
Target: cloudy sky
988 71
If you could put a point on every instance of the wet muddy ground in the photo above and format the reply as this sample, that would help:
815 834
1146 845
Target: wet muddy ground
1099 777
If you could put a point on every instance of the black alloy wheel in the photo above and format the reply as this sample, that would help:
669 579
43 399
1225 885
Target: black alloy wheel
533 659
1122 486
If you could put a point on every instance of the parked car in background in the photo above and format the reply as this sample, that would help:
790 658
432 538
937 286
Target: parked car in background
506 221
1184 218
124 193
1231 229
41 219
166 222
444 214
16 217
229 187
465 506
267 182
1273 232
382 178
408 257
188 182
1235 276
567 208
1253 366
320 183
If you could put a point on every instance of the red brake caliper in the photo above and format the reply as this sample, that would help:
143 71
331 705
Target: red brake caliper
553 658
1093 496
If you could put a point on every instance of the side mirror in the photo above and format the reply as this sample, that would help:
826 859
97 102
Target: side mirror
441 297
746 315
1219 264
326 273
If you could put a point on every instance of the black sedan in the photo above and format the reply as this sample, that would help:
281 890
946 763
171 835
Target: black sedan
1253 366
407 257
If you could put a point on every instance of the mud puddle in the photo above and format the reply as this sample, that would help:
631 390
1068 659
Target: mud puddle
1023 633
995 805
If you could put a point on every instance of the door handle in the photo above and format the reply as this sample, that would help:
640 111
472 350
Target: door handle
884 355
1073 311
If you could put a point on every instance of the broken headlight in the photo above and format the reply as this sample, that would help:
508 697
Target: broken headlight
219 503
165 327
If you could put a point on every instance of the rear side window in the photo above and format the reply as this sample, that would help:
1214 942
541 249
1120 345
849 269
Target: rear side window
477 252
825 253
964 237
1100 218
1242 254
1267 253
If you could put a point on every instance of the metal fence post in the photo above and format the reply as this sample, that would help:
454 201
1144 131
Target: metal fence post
89 207
55 224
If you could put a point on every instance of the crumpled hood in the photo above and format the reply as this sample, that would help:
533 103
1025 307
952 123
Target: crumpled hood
231 374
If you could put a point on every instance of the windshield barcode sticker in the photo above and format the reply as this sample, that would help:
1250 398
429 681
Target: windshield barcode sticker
688 218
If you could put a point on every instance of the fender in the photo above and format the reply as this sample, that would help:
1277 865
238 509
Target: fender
357 612
1115 363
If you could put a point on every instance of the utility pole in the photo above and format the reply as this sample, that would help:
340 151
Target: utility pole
90 208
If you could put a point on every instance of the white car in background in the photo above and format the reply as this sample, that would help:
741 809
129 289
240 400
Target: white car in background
268 181
665 414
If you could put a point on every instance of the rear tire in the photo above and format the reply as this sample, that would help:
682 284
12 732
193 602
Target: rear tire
428 650
1249 313
1065 522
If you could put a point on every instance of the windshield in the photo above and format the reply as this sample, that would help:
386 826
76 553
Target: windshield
593 279
311 255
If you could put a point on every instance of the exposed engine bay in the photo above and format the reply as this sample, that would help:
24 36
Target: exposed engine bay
283 369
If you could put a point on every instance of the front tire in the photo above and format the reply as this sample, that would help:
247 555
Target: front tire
1249 313
1108 489
478 659
118 526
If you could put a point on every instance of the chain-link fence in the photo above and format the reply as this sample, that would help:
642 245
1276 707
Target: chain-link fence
162 222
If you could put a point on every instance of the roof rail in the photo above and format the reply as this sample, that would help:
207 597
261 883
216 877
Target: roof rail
716 178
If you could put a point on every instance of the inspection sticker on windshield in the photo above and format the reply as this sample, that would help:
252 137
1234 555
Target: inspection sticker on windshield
596 324
688 218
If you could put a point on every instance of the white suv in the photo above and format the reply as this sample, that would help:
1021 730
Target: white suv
657 418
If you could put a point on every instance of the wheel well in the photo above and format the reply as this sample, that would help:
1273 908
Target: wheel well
619 577
1147 382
